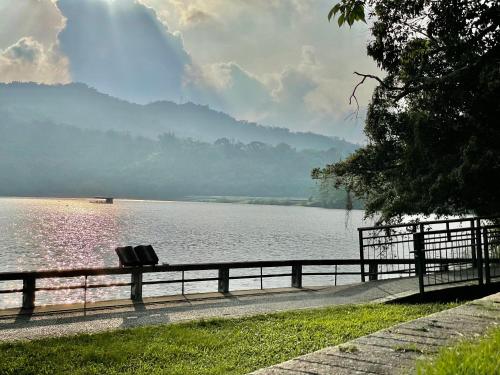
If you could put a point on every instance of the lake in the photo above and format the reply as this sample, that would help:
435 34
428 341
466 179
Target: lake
40 234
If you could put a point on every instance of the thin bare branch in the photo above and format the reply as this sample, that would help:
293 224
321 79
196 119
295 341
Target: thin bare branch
363 79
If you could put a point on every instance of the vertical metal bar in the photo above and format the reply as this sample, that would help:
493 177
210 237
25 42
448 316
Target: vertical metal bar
335 275
473 242
361 254
419 259
391 267
445 267
479 254
182 283
422 254
261 282
29 289
223 280
297 276
448 266
85 297
372 271
136 287
486 246
413 230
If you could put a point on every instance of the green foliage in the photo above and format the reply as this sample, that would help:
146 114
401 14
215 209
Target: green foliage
432 125
478 357
60 160
329 196
349 11
217 346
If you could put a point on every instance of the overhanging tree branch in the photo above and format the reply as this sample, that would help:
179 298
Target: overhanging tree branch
422 83
363 79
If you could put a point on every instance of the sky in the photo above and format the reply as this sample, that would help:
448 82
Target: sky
275 62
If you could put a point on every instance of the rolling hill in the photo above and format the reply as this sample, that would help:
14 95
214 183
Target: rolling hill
78 105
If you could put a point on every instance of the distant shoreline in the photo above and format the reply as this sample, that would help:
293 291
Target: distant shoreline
270 201
266 201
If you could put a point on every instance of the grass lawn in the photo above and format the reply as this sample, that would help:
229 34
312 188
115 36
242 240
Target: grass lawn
477 357
216 346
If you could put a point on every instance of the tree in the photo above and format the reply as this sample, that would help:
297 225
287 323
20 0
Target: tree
433 121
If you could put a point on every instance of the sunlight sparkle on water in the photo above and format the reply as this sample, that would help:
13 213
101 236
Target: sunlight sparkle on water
70 233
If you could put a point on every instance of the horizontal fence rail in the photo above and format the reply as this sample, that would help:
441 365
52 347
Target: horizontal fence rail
296 274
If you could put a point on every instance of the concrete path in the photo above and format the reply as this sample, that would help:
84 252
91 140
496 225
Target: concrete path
395 350
68 320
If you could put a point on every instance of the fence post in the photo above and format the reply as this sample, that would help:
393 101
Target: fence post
486 247
361 254
473 240
373 271
29 289
418 247
136 287
297 276
182 283
479 254
223 280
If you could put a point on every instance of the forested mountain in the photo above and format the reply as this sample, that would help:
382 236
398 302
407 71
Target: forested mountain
78 105
40 158
70 140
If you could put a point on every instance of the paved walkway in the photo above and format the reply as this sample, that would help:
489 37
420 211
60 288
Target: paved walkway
395 350
68 320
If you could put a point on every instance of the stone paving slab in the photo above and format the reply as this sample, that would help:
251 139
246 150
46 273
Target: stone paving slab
395 350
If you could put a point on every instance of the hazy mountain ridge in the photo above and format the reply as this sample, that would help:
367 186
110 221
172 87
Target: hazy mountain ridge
78 105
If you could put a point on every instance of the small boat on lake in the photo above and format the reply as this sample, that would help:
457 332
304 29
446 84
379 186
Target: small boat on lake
105 200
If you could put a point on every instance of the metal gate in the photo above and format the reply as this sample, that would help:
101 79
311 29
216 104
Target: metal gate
468 254
491 244
438 252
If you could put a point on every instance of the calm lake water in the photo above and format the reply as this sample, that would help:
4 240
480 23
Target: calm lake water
40 234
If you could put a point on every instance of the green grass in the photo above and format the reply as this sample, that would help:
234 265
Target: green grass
476 357
216 346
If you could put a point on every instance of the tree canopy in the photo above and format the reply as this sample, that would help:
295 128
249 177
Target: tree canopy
433 121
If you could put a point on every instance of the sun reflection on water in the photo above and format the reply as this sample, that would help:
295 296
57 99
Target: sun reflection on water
62 234
69 233
46 234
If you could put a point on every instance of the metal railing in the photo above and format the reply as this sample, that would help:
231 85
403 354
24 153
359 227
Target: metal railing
438 252
445 251
398 242
297 270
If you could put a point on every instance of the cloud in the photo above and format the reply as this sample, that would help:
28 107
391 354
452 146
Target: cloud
299 97
287 47
229 88
26 49
39 19
29 49
278 62
293 86
193 16
124 49
29 61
